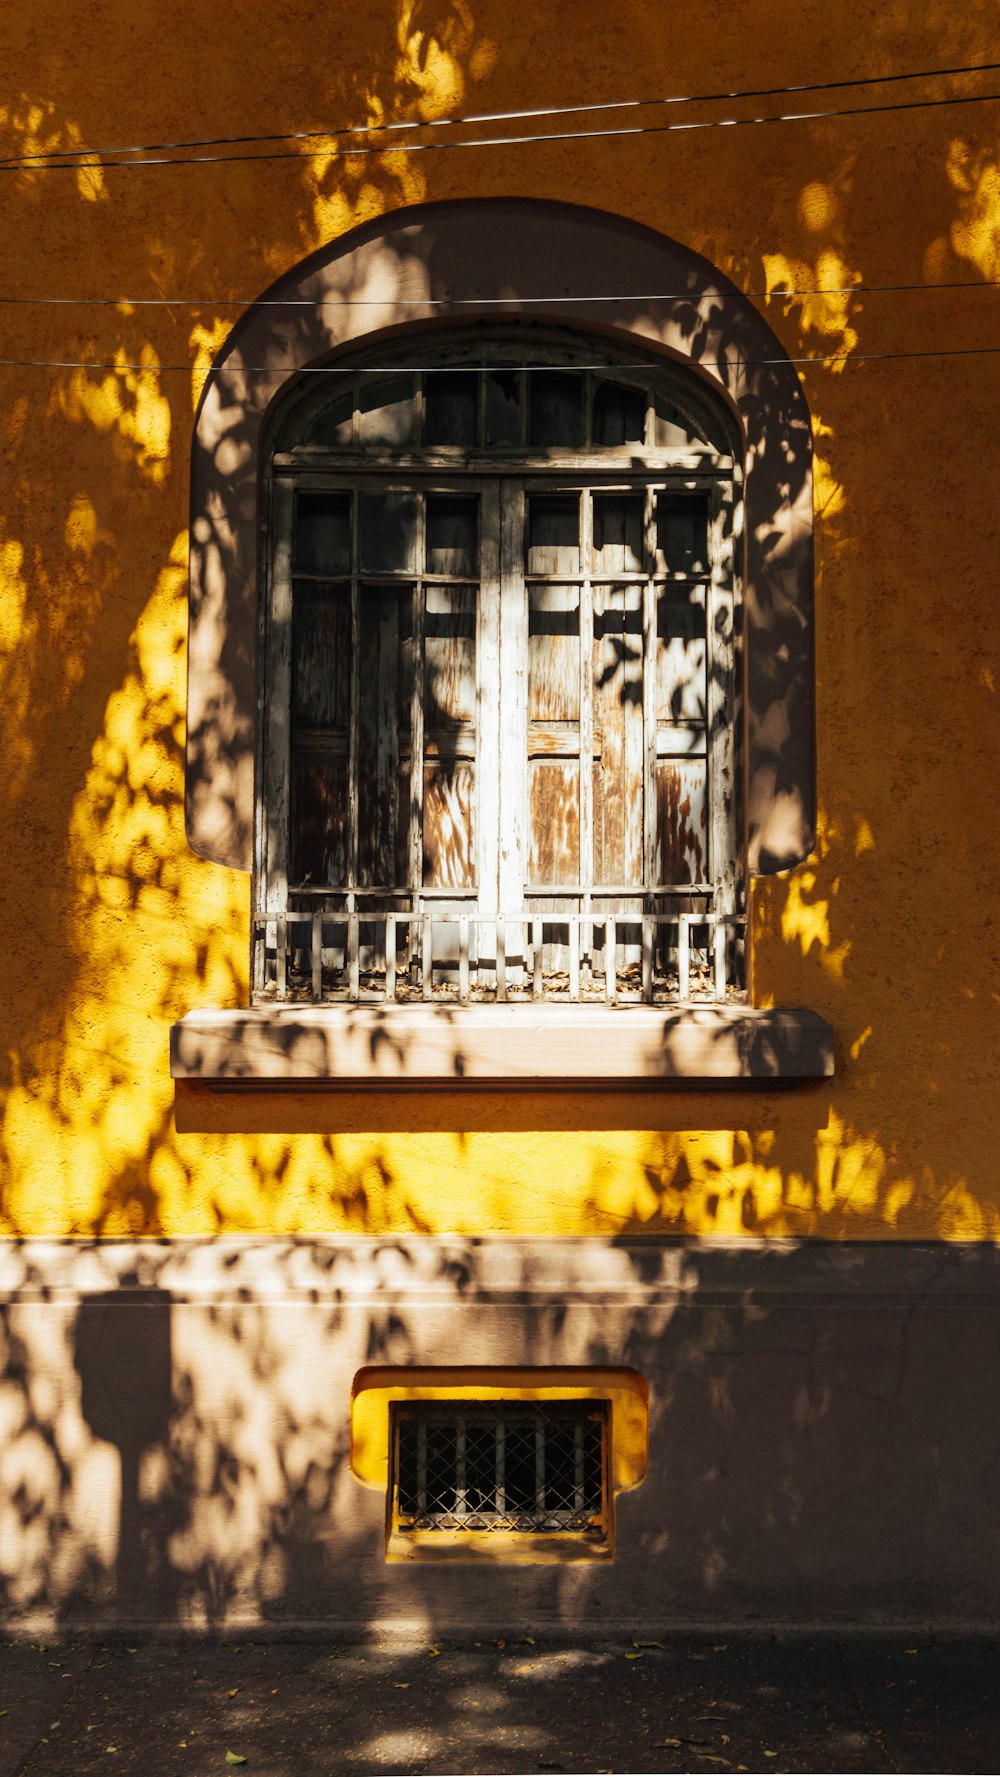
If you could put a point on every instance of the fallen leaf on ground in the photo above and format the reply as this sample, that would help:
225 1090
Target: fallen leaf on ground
911 1650
633 1656
235 1758
525 1641
433 1653
720 1648
650 1644
401 1687
234 1692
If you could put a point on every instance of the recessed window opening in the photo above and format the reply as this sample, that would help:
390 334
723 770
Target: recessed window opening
516 1466
500 758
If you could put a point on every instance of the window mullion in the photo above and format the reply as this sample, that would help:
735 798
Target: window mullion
649 696
415 845
721 737
513 700
275 815
353 752
488 720
586 713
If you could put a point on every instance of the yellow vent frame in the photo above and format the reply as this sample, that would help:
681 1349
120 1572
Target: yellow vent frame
376 1388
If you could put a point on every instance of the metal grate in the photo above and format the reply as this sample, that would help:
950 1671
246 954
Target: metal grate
507 1465
324 955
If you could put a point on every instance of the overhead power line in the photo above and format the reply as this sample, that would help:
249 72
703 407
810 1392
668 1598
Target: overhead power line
89 158
347 370
450 302
85 156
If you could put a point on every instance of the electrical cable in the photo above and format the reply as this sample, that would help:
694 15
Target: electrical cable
352 153
86 156
346 370
449 302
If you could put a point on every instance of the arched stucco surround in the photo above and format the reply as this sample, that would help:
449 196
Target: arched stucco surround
503 253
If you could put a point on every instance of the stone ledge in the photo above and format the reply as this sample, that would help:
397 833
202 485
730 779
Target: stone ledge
515 1046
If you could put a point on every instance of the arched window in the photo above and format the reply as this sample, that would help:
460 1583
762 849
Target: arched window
500 753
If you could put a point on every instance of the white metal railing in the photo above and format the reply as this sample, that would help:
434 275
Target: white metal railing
318 956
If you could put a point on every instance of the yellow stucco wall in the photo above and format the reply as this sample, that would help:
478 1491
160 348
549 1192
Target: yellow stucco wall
112 929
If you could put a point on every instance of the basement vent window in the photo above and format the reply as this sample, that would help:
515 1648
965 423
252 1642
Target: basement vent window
529 1477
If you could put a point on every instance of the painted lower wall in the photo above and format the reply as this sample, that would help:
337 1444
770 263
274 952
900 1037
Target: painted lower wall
824 1443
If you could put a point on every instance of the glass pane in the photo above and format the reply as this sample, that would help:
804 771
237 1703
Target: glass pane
448 824
681 821
618 534
680 654
321 664
334 424
503 407
450 403
556 409
682 533
385 685
553 653
323 534
554 854
388 410
319 818
388 533
449 658
619 414
554 534
451 536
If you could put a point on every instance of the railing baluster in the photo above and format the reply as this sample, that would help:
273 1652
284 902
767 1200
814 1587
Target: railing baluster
281 956
683 956
648 941
574 957
427 956
720 957
536 959
353 956
317 956
501 960
610 961
463 959
390 956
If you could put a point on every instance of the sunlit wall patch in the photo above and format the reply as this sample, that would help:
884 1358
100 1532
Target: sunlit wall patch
499 1464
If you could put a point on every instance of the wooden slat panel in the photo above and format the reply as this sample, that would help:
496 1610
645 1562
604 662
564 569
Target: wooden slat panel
319 818
681 689
619 414
553 653
385 616
449 848
556 408
553 539
322 655
503 407
681 821
389 533
618 534
323 534
682 543
513 696
450 406
387 410
618 800
451 524
449 660
554 850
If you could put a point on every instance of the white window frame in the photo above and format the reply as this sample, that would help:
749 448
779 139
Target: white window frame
503 479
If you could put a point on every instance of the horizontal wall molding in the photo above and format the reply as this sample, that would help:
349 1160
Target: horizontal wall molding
431 1271
515 1045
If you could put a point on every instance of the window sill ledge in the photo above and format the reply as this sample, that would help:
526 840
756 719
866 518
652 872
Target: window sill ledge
527 1047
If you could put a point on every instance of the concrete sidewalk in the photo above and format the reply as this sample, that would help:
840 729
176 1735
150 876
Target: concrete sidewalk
310 1709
